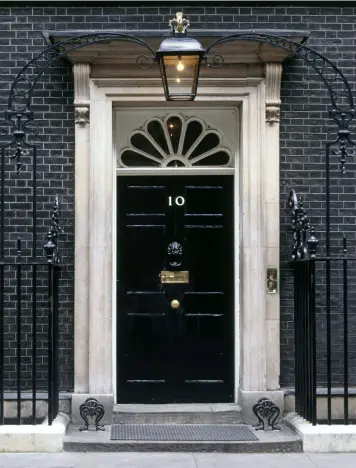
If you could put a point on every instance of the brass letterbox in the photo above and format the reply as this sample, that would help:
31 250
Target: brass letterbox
174 277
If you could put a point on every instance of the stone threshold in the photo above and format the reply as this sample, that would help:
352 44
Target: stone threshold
99 441
177 413
176 407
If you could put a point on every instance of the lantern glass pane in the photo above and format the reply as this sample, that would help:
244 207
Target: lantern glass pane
181 73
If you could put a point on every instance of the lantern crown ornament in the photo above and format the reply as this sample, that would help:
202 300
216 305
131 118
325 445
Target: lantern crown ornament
179 24
179 58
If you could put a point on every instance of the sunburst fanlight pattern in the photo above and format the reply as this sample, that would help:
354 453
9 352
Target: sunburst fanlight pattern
175 141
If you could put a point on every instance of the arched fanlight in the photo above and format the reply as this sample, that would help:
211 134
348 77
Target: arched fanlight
179 58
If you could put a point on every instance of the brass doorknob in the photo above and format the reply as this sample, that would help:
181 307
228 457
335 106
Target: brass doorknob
175 304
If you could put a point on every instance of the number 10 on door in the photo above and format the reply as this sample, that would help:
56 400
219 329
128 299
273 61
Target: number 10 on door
179 201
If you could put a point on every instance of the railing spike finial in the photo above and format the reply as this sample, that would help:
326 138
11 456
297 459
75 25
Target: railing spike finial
51 246
292 200
312 243
19 249
300 226
344 244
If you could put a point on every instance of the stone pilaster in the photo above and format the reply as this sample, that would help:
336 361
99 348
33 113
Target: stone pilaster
260 310
81 73
102 214
273 73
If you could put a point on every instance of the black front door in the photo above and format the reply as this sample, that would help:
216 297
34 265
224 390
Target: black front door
175 289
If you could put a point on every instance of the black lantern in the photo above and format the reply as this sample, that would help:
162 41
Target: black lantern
179 58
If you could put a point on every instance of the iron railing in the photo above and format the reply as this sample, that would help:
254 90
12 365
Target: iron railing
305 339
322 335
29 297
323 311
28 340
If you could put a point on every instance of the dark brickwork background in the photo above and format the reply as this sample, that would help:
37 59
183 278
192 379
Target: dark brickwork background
303 130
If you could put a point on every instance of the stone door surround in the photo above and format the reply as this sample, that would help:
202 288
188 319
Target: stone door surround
257 358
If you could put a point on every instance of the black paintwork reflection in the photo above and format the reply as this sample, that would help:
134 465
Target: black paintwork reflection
184 354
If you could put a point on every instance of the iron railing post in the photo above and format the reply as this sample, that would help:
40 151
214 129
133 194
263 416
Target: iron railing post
18 330
55 338
50 344
34 342
296 337
346 335
313 416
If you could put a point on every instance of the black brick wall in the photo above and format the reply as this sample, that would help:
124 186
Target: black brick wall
303 114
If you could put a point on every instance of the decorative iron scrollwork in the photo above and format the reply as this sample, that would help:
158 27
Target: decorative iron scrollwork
215 61
19 116
344 145
17 125
19 120
51 246
267 414
300 226
338 87
93 409
145 62
342 112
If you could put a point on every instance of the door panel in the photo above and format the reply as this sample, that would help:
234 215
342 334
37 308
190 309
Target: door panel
180 223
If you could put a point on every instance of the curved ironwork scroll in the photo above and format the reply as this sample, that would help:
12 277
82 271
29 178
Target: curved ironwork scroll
341 114
216 61
22 88
335 81
19 119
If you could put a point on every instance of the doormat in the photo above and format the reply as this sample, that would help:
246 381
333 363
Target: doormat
182 432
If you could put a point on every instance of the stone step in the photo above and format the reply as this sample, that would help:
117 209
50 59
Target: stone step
281 441
219 413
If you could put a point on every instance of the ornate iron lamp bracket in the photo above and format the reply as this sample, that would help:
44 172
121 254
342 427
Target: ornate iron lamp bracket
342 112
19 119
19 122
